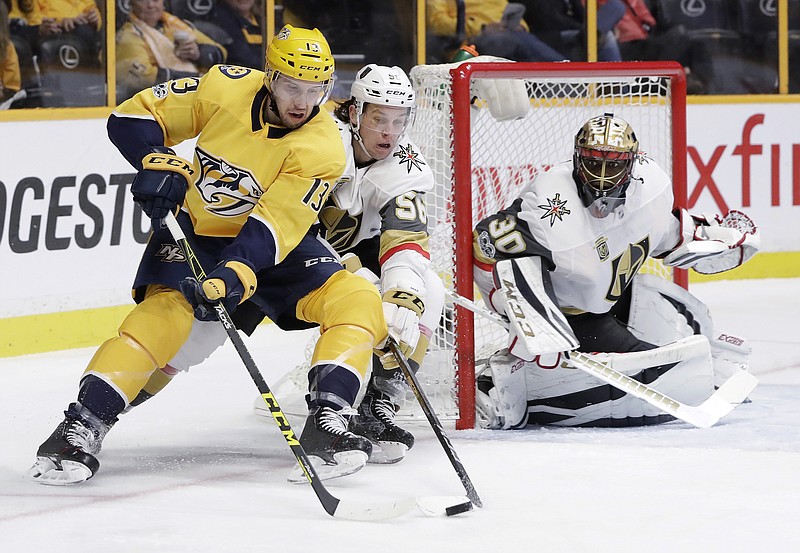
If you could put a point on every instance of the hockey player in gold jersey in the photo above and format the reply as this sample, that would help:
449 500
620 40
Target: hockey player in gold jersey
377 214
264 163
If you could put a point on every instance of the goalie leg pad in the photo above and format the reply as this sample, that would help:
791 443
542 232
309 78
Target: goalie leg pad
731 354
561 395
682 370
508 398
662 312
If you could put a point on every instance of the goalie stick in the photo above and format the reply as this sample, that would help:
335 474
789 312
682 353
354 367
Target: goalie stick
335 507
732 392
430 414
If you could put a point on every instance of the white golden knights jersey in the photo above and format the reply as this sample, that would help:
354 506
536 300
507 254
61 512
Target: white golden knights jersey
592 260
260 183
385 198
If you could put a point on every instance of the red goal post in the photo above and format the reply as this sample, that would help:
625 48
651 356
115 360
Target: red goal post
481 164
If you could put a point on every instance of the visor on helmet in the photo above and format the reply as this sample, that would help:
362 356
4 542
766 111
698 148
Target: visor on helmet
308 93
385 119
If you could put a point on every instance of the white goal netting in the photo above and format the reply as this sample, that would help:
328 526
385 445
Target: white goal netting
503 157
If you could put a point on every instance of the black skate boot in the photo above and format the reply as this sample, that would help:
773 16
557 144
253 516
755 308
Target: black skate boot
68 455
375 421
333 450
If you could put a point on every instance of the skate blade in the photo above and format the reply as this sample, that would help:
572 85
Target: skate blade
46 471
347 462
387 453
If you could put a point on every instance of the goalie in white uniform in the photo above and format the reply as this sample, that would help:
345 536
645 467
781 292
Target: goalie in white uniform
376 213
579 234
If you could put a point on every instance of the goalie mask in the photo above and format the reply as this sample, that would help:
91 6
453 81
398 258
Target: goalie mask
605 151
299 63
382 86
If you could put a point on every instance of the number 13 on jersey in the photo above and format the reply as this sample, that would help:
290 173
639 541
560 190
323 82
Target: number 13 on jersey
317 194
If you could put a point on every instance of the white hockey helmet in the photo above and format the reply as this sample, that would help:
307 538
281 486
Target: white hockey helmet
383 86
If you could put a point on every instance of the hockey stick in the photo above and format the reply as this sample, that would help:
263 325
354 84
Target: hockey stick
333 506
435 424
732 392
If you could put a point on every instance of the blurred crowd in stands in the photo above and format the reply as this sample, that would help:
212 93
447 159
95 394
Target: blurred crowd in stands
53 52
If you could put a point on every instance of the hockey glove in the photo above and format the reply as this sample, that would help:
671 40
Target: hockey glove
230 282
160 186
717 243
402 311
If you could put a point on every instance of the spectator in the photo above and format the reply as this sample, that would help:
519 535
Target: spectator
495 27
155 46
24 19
639 39
79 18
24 15
238 18
10 80
560 23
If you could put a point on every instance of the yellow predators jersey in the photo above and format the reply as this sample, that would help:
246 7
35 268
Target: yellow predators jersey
246 169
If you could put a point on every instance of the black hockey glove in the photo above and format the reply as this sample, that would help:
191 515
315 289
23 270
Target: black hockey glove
160 186
230 282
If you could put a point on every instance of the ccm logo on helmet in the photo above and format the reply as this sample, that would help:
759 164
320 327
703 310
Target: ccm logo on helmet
396 92
310 67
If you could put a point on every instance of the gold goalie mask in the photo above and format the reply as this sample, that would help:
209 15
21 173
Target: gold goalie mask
605 151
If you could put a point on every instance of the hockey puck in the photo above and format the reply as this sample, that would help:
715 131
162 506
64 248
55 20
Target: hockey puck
458 509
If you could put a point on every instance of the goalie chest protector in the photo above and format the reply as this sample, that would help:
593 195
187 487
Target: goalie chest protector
595 258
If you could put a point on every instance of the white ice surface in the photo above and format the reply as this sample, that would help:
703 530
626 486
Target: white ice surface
194 470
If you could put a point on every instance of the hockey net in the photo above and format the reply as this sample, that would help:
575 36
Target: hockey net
481 165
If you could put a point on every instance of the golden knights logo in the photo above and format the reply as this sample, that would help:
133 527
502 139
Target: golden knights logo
601 247
341 228
227 191
555 208
625 267
408 156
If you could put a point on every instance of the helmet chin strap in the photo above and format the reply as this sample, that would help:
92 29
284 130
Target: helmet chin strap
355 131
270 106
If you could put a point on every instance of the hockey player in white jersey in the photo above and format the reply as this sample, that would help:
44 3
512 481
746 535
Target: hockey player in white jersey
378 213
579 234
375 218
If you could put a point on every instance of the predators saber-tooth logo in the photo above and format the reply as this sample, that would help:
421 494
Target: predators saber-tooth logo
227 191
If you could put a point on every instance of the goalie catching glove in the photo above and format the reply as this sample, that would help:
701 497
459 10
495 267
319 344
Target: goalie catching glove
713 244
160 186
231 283
402 310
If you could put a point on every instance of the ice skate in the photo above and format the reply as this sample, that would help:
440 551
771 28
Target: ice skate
333 450
376 421
68 455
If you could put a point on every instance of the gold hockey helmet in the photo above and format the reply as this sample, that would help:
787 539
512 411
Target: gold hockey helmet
301 54
604 155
